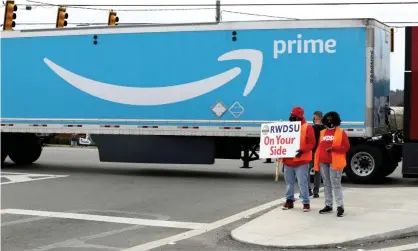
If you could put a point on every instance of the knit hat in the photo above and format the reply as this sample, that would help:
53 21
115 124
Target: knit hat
297 111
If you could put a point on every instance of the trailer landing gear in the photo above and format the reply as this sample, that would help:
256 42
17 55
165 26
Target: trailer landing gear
249 156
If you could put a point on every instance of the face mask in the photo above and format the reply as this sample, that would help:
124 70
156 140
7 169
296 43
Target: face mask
329 124
294 118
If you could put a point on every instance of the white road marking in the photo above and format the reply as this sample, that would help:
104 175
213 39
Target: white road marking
26 177
32 219
399 248
209 227
112 219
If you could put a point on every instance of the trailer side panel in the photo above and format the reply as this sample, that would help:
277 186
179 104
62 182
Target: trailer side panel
245 76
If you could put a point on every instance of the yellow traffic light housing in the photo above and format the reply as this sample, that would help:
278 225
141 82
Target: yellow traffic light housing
61 17
113 19
392 39
9 16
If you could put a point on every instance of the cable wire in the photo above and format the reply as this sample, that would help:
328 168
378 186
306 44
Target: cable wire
229 4
258 15
90 7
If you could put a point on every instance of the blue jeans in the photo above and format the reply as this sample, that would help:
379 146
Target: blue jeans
302 174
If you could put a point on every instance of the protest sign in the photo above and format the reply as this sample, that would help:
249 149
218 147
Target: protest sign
280 139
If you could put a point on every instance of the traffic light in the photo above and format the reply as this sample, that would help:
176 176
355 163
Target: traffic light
61 16
9 16
113 19
392 39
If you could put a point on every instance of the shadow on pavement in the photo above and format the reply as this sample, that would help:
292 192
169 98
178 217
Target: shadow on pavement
156 171
189 171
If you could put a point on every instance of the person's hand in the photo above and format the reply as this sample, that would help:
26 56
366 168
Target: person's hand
329 149
298 153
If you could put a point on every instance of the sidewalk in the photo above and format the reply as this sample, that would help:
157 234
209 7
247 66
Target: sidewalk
371 214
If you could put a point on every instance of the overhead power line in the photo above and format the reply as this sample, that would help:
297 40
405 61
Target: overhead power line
37 3
258 15
93 7
138 23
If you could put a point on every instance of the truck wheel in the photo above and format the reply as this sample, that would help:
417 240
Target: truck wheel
388 170
364 164
3 158
4 148
27 151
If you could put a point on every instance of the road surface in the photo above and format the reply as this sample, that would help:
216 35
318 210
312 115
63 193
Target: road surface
68 200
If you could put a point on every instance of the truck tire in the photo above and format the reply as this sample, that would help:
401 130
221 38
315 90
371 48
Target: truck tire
3 158
4 148
364 164
22 157
389 169
26 151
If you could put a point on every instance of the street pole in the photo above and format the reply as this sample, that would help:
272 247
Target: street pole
218 11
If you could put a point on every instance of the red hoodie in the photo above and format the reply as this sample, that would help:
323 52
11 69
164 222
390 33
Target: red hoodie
309 146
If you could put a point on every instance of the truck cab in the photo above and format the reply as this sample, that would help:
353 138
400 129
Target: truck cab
410 146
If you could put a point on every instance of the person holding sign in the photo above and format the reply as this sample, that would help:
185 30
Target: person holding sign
298 166
330 160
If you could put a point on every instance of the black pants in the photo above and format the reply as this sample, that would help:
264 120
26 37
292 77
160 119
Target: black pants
317 180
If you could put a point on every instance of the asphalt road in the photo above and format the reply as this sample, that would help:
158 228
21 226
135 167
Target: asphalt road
113 206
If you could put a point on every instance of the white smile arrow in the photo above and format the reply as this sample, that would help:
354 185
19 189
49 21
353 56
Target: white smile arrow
168 94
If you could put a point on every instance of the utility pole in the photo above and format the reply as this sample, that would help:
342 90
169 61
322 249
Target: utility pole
218 11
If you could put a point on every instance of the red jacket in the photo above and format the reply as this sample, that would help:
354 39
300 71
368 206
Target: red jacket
307 145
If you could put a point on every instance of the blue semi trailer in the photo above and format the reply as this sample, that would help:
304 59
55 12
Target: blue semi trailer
192 93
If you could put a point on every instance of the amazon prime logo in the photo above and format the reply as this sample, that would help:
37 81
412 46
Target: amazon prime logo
164 95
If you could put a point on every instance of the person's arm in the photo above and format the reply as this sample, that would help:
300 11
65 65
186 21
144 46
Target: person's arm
345 145
310 140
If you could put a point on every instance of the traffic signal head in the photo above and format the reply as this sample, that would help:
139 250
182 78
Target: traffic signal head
61 17
9 15
113 19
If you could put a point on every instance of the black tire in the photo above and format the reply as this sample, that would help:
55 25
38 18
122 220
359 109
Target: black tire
26 150
364 164
21 157
4 147
3 158
388 170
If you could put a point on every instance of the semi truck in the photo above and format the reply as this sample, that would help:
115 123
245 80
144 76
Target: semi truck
193 93
410 128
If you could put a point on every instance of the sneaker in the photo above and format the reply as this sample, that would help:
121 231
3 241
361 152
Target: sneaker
316 195
288 205
326 209
310 193
340 212
306 208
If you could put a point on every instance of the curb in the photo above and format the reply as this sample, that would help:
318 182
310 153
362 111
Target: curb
67 146
392 235
396 234
321 190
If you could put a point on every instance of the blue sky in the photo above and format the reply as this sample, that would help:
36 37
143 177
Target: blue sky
383 13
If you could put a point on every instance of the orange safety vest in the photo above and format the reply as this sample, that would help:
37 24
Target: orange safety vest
306 155
338 159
